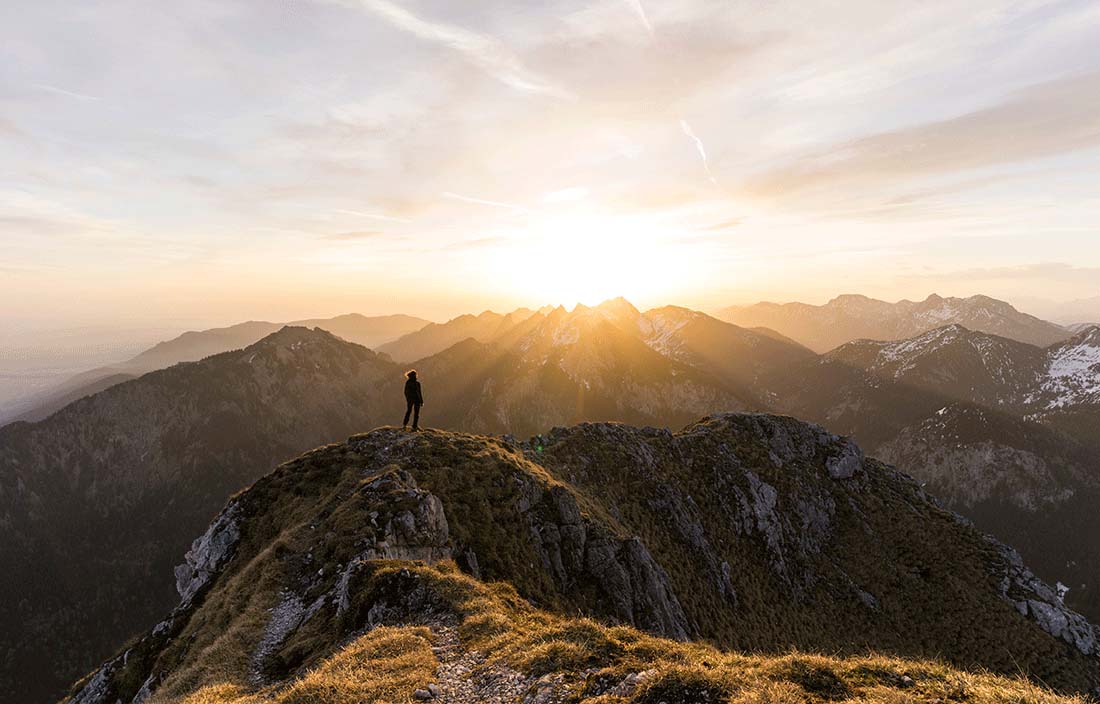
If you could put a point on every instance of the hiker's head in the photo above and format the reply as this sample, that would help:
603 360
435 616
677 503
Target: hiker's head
411 374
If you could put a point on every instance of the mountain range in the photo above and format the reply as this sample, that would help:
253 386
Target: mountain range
753 532
195 345
103 496
852 317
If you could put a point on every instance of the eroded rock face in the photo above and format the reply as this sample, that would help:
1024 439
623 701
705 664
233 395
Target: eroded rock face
1041 603
208 553
846 462
575 550
736 529
416 533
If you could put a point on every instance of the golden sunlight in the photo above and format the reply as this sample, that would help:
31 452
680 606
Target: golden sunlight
591 258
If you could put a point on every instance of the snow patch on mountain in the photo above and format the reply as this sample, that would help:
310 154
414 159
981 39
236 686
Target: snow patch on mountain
1073 371
907 351
661 328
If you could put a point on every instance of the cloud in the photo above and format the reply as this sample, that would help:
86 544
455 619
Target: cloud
701 149
1043 120
483 201
480 243
353 236
639 9
67 93
566 195
724 225
372 216
1060 272
485 52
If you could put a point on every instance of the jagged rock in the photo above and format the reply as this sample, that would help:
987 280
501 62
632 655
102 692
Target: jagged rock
98 689
285 618
630 683
717 529
416 533
845 464
1037 600
636 587
208 553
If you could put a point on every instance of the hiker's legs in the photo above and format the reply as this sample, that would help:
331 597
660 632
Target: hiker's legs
416 416
408 412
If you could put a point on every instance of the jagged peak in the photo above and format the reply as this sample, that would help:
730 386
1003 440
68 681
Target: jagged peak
1086 335
291 334
619 306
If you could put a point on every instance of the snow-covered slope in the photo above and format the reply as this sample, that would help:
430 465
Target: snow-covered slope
954 361
1072 375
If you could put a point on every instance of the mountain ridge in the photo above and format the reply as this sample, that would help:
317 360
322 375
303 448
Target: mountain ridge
532 514
850 317
664 367
195 345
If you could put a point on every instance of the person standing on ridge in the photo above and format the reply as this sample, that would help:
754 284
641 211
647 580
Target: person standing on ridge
414 398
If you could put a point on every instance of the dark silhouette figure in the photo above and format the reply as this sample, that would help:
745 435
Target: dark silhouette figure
414 398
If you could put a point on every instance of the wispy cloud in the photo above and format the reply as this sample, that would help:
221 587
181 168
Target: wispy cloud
639 9
479 243
1044 120
67 93
353 236
485 52
700 148
372 216
483 201
1042 271
566 195
724 225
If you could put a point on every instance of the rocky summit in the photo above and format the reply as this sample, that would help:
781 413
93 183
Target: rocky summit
587 564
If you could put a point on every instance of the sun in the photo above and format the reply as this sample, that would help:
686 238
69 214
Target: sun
588 259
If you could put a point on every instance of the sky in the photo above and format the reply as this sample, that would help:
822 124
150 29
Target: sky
211 161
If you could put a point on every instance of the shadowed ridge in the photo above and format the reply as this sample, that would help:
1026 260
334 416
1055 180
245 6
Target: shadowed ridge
757 532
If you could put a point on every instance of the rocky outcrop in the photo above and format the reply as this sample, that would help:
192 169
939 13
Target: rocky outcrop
749 530
846 462
1042 604
576 550
208 553
418 532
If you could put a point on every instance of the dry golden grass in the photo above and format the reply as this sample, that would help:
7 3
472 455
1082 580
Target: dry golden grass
386 665
499 623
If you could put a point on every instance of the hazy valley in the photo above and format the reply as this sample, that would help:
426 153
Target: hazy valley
103 497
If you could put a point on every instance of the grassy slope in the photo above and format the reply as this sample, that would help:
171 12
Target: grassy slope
309 518
389 663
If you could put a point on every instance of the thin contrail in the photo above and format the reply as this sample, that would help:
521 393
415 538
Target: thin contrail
483 201
699 146
638 8
373 216
67 93
486 52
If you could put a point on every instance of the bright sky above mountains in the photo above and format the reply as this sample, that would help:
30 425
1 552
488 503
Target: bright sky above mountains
218 160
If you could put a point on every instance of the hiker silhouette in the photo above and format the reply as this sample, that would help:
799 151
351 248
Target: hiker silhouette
414 399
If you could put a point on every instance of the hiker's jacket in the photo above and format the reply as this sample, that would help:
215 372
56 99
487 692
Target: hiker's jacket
412 392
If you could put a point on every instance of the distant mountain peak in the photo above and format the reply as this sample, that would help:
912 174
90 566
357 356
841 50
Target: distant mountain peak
851 317
851 298
1073 371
